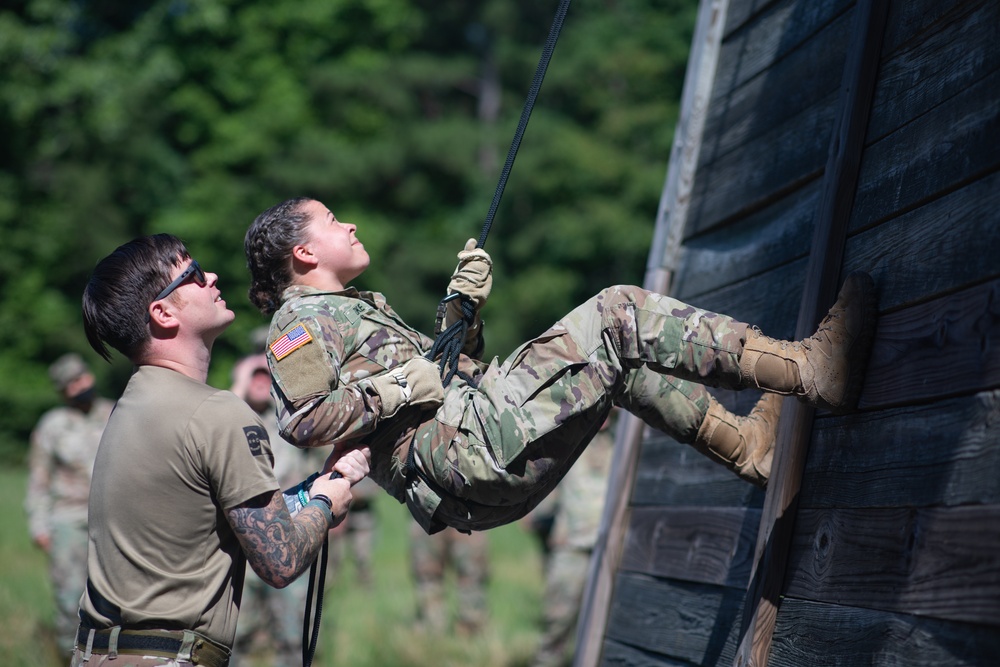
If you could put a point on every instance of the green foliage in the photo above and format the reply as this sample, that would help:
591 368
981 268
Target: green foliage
126 118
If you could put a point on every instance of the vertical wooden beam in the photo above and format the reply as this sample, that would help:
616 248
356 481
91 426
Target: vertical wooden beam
670 222
822 278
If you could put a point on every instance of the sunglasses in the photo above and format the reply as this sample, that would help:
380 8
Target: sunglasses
193 269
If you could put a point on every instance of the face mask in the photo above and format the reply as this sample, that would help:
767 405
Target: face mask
82 400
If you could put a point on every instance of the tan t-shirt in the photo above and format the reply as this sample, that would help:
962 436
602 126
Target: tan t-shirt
175 454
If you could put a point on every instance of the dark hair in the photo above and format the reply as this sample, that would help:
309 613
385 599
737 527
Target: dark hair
122 286
268 246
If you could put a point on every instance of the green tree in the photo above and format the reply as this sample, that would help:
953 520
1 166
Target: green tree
125 118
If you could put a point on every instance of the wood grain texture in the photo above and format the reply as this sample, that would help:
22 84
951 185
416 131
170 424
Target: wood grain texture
672 474
946 453
695 544
947 346
937 562
692 622
812 633
946 245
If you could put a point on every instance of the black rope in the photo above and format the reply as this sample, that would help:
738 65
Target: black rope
311 638
317 571
449 342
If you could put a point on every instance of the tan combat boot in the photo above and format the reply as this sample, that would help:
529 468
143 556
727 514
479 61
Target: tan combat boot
827 369
745 445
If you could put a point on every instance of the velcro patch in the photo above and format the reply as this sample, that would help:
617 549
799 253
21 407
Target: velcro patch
290 342
255 434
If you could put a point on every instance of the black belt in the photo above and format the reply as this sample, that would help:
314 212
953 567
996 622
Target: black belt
167 643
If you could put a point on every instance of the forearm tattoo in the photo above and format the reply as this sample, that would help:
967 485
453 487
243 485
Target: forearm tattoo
278 547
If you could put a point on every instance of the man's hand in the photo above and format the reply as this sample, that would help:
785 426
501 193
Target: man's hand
338 490
353 465
473 276
417 382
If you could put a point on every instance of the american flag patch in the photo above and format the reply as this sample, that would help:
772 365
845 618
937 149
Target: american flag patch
290 342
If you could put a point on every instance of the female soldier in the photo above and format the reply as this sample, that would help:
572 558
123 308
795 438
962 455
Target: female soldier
488 447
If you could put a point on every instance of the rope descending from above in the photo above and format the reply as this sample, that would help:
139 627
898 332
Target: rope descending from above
448 344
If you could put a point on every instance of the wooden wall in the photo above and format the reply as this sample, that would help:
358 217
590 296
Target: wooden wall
893 548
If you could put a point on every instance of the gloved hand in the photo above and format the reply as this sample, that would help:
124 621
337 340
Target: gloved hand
417 382
473 276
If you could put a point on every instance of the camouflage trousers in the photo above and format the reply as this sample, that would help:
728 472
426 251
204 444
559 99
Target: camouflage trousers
270 622
68 573
565 579
496 456
431 558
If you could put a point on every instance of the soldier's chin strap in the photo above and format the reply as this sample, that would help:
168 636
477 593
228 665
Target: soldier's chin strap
448 344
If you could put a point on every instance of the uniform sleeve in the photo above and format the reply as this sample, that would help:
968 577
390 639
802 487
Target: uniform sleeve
315 406
38 500
235 449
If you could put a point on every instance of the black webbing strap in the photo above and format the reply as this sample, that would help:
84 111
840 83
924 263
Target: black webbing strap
448 344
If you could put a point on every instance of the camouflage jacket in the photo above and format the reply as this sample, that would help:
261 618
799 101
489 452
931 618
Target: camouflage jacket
321 347
61 462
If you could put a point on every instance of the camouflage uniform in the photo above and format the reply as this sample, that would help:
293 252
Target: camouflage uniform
60 464
468 557
500 443
580 501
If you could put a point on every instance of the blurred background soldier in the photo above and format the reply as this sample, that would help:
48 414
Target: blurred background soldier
579 505
271 618
63 446
356 535
432 557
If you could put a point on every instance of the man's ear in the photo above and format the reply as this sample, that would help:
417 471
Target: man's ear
162 315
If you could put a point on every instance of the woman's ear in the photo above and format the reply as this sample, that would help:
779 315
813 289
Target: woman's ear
303 253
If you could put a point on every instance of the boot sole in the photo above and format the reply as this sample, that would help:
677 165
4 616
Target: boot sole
861 346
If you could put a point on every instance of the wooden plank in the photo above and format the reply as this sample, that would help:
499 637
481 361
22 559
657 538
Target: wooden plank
826 259
811 633
947 245
947 346
693 622
709 545
758 243
934 154
943 454
765 169
936 562
772 34
805 76
672 474
947 48
769 300
616 654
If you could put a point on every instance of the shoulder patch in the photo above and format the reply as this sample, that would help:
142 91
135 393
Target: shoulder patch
290 342
255 435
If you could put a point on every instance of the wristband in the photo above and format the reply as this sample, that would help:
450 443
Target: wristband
325 504
320 497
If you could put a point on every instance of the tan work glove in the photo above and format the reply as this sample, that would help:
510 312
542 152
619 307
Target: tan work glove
417 382
473 277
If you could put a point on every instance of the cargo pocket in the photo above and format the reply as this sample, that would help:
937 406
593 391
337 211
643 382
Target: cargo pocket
542 385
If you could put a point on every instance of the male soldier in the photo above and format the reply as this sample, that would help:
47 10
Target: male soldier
184 494
487 448
431 557
60 464
580 501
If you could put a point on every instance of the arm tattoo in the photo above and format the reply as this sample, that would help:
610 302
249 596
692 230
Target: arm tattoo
278 547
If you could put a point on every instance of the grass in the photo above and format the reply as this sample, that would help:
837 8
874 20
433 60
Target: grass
361 628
